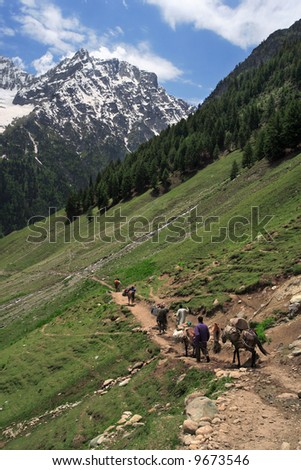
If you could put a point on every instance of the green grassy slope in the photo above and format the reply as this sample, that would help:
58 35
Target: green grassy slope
53 314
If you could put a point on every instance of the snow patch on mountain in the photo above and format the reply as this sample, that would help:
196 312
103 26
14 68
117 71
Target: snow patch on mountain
10 111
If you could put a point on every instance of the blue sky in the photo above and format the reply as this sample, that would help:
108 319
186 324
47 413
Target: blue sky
190 44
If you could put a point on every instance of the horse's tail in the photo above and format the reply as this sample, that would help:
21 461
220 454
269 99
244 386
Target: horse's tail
264 351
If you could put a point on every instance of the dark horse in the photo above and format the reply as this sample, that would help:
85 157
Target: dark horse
246 339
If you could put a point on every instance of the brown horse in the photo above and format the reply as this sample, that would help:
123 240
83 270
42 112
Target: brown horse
246 339
188 340
215 332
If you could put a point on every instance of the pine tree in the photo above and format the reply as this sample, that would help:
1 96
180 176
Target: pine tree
126 185
273 143
216 152
291 129
114 187
154 182
259 145
228 141
102 195
247 159
165 178
141 178
71 207
90 215
234 170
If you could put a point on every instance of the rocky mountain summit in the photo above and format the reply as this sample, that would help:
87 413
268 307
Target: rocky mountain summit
94 103
11 76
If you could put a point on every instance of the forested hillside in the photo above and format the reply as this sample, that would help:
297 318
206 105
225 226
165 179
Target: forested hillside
257 108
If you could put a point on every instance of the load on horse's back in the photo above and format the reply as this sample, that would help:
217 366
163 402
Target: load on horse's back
243 339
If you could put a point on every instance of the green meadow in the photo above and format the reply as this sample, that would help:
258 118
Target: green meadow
61 335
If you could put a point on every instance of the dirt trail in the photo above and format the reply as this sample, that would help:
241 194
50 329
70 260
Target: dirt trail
142 313
261 410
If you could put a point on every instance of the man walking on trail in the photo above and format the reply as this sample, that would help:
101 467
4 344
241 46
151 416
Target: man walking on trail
117 284
202 335
181 315
162 318
131 295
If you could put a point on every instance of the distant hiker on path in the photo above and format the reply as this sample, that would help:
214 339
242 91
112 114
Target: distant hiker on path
162 318
117 284
202 336
131 293
181 315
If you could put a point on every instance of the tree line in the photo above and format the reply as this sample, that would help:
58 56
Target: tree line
258 111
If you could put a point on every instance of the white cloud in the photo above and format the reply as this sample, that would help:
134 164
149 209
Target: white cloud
194 101
141 56
113 33
247 24
18 62
44 63
45 23
6 31
191 82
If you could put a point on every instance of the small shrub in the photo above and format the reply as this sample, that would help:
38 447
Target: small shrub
260 328
296 269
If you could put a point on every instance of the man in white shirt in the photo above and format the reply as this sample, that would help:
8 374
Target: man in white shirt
181 315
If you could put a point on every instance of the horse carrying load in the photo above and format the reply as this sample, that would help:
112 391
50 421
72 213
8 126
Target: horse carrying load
242 338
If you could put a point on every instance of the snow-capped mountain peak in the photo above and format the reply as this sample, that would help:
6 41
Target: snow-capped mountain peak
105 99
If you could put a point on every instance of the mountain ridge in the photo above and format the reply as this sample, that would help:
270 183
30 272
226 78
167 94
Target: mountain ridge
84 96
265 51
79 116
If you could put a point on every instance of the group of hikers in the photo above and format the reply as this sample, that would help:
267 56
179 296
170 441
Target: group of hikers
238 332
201 332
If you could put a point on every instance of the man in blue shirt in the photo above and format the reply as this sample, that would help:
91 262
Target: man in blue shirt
202 335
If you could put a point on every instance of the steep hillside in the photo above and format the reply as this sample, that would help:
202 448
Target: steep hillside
63 335
257 109
265 52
